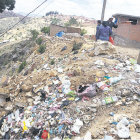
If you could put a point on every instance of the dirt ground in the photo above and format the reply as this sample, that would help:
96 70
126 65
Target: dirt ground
101 122
128 51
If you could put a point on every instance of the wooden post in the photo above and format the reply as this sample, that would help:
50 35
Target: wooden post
103 10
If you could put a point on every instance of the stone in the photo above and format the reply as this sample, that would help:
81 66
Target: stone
9 106
125 93
95 135
2 101
20 102
4 81
138 124
14 94
118 103
94 110
29 94
38 89
104 47
100 73
132 127
30 101
26 88
53 73
135 135
77 72
138 130
4 91
91 54
93 105
3 113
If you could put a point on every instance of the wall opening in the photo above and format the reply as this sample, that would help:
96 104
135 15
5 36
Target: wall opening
133 21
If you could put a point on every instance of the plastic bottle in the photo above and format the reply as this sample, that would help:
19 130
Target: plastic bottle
110 100
114 80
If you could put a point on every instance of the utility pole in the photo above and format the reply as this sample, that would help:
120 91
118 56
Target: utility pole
138 61
103 10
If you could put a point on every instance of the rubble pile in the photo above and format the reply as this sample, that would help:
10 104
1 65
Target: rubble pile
59 94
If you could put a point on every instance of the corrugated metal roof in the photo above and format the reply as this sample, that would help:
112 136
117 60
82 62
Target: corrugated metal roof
123 15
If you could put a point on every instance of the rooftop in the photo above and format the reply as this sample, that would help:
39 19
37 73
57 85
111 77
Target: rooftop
123 15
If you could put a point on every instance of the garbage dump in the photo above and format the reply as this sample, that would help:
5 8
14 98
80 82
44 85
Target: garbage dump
63 99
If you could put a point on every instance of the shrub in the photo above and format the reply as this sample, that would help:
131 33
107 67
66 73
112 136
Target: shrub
66 24
77 46
39 41
42 49
52 62
22 66
35 34
72 21
45 30
83 31
55 21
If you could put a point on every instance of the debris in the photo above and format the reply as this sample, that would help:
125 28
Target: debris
114 80
123 130
109 100
88 90
108 138
104 47
87 136
63 49
76 126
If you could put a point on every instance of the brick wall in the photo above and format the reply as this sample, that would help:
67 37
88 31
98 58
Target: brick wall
73 30
55 29
127 30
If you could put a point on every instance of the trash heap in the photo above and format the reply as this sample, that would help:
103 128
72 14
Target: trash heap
61 101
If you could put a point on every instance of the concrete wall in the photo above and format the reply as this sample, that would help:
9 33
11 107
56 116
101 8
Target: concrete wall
55 29
121 41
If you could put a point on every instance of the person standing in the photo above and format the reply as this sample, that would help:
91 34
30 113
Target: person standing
97 28
111 24
104 32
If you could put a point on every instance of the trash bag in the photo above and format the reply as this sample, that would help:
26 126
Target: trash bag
111 40
60 34
88 90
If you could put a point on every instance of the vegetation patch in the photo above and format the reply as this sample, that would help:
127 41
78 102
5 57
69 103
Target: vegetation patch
39 41
83 32
42 49
52 62
46 30
71 22
22 66
77 46
35 34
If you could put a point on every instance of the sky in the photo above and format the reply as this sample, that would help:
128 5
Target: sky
88 8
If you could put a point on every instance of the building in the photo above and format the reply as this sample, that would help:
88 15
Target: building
128 31
54 29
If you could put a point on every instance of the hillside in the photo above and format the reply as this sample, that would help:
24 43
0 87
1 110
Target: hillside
7 14
68 87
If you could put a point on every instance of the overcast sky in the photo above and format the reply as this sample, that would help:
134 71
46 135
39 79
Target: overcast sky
88 8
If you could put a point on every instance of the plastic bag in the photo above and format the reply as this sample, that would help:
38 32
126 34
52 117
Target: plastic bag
88 90
111 40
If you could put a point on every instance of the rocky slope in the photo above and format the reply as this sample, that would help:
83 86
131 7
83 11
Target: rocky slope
7 14
75 88
45 95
